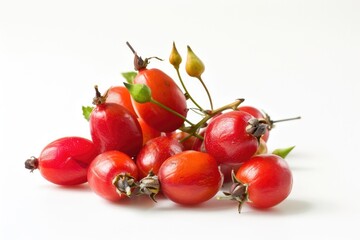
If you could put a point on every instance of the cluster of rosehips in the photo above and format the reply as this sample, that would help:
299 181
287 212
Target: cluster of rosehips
143 143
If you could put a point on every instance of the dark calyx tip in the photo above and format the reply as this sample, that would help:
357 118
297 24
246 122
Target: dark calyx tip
32 163
139 63
256 127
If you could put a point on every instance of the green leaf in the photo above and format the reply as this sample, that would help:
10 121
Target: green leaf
141 93
283 152
86 110
129 76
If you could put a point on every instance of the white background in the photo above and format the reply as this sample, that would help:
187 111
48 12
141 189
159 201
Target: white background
287 57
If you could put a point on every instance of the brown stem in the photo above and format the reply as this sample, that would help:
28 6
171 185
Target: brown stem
209 114
99 99
32 163
285 119
131 48
140 63
271 123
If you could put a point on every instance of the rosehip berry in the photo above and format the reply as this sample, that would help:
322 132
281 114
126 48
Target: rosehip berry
189 141
232 137
265 118
64 161
256 113
190 177
113 127
165 91
155 152
121 96
147 131
112 175
263 182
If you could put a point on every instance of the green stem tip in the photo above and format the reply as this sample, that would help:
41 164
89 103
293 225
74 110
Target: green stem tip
141 93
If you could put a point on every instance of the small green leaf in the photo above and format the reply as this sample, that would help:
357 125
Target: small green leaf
283 152
129 76
87 111
141 93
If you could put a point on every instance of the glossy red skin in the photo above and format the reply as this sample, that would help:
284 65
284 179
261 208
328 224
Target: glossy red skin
199 144
113 127
227 140
190 177
269 180
65 161
164 90
193 143
256 113
147 131
226 171
188 143
121 96
155 152
104 168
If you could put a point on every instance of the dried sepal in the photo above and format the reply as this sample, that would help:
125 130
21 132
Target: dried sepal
238 192
149 185
256 127
32 163
99 99
124 184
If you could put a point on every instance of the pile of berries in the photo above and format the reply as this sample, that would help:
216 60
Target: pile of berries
143 143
